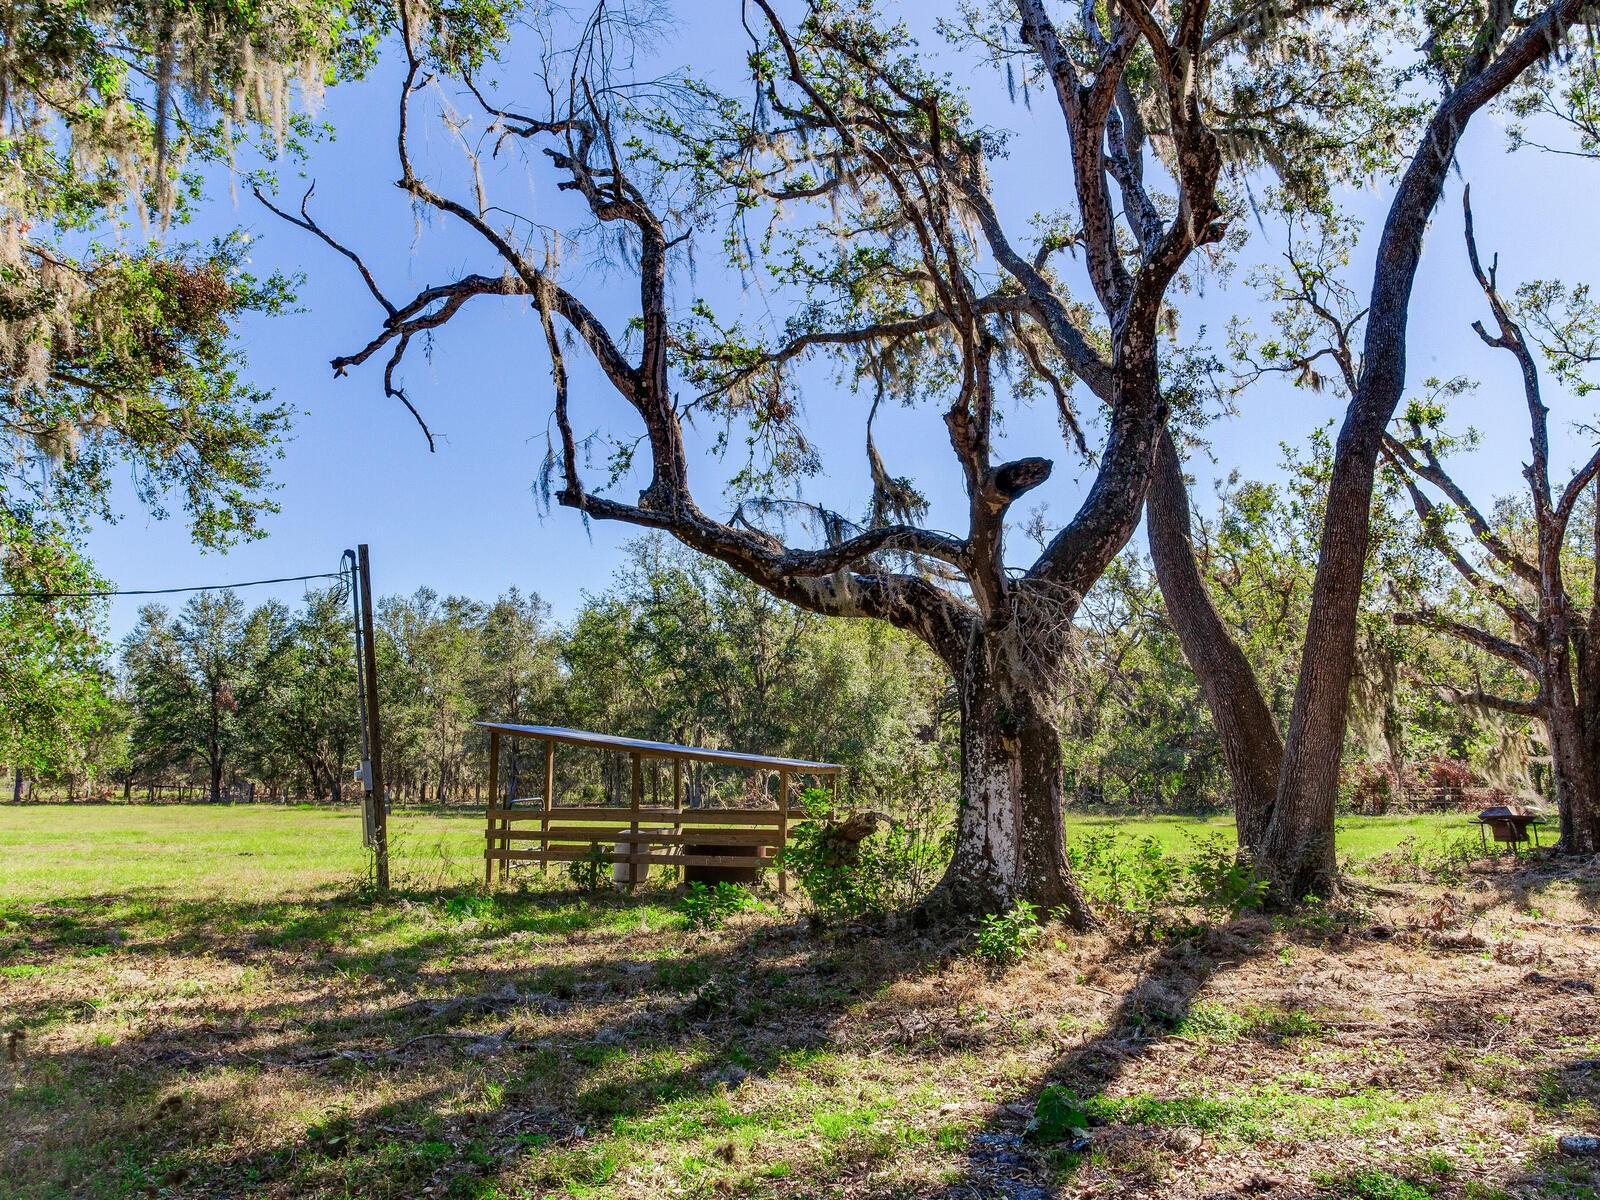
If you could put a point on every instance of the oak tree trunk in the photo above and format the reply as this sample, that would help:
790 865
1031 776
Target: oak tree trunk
1572 763
1298 851
1251 745
1010 837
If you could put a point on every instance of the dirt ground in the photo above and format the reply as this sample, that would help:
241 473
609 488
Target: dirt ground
1424 1039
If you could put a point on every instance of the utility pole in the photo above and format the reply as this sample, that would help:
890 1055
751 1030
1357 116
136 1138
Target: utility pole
367 690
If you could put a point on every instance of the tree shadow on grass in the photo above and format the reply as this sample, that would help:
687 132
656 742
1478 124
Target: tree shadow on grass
1001 1164
532 1048
1525 881
433 1052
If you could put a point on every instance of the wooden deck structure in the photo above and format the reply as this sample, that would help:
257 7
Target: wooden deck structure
654 835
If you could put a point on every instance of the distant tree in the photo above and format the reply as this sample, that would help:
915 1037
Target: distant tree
430 653
300 710
516 675
1136 734
193 678
683 648
53 692
1517 559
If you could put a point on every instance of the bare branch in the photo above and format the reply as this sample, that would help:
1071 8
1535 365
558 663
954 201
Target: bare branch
304 221
1406 466
1472 635
1479 699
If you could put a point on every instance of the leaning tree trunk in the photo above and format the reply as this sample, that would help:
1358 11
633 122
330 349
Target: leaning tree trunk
1010 838
1588 671
1585 820
1251 745
1298 851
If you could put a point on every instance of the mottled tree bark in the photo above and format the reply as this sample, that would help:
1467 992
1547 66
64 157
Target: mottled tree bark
1010 835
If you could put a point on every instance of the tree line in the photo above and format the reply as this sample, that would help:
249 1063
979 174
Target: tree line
224 701
231 700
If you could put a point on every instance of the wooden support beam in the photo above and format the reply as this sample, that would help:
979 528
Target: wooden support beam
369 664
662 816
677 799
783 827
635 802
573 854
492 807
547 804
555 836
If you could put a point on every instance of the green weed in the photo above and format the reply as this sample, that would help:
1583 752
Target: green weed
1005 937
707 908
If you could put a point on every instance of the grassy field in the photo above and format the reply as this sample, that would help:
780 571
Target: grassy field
204 1002
52 851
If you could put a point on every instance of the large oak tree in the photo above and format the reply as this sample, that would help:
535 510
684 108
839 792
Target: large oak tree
857 179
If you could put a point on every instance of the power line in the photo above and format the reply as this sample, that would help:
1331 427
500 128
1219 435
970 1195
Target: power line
214 587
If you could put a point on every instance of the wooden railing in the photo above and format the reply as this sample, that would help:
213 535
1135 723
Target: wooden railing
659 836
638 835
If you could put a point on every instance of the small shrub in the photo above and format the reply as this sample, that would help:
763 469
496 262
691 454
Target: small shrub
591 872
1375 1184
1145 888
1005 937
1211 1023
472 904
1130 879
707 908
873 876
1219 879
1445 860
1059 1116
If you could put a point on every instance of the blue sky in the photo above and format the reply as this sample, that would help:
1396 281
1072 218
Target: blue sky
465 519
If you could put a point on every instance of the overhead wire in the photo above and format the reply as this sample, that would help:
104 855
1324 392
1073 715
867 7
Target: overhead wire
210 587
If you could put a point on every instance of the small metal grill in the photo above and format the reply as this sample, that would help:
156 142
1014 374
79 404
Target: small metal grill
1510 825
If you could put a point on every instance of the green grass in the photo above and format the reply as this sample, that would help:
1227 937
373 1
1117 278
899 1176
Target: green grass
1272 1110
195 851
252 851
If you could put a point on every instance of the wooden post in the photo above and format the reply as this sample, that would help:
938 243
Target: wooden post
783 826
635 795
380 816
490 823
677 793
547 804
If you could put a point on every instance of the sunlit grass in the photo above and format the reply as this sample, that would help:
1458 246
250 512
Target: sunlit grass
197 851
